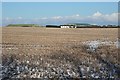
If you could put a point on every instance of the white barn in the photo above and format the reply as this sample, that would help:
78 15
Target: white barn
67 26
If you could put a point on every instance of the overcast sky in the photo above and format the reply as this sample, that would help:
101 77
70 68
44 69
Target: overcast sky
59 12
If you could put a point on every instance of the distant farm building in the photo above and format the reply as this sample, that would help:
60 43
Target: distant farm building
76 25
67 26
73 25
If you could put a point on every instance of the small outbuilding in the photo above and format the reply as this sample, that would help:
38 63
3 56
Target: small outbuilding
67 26
76 25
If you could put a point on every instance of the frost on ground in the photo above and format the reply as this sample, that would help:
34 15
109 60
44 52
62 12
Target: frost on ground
93 45
91 59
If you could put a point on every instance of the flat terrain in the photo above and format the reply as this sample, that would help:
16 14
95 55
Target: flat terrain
46 36
53 53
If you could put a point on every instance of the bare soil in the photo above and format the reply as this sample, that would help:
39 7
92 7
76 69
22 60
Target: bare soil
58 53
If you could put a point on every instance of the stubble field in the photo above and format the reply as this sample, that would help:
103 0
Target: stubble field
59 53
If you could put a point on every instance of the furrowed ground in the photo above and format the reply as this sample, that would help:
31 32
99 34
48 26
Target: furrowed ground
59 53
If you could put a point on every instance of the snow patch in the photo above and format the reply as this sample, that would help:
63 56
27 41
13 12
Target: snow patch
93 45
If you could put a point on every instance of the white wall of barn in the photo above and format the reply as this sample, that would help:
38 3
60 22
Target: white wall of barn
67 26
